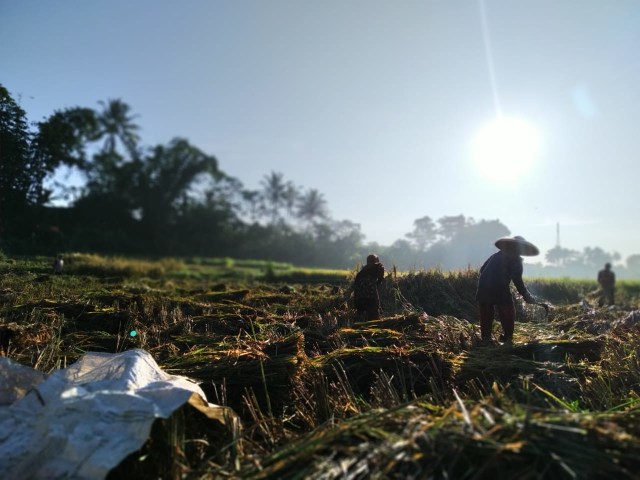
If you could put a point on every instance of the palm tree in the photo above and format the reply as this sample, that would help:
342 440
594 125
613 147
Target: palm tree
290 197
116 123
273 195
312 206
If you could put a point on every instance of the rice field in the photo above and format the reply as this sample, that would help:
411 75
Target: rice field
320 395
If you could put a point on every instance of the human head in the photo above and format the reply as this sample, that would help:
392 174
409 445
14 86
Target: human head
607 266
372 259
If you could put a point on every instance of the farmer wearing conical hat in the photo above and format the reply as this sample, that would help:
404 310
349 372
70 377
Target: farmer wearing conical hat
493 293
365 288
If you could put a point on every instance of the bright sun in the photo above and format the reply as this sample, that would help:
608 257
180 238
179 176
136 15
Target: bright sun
505 149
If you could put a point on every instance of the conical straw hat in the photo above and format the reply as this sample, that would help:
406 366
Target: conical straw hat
517 244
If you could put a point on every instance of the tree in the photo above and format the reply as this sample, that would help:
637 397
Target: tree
276 195
633 263
154 191
596 257
117 124
62 139
161 180
452 225
465 243
474 243
423 234
251 204
561 257
290 198
205 227
401 254
19 176
311 207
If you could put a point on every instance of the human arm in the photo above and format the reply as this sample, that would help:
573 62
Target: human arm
515 272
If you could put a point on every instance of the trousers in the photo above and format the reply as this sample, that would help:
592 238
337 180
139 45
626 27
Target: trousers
506 314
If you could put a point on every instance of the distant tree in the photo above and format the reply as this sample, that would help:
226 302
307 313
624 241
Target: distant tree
467 245
596 257
452 225
251 205
475 242
274 195
290 197
633 263
164 177
154 190
117 124
402 254
437 256
312 207
338 243
423 234
205 227
561 256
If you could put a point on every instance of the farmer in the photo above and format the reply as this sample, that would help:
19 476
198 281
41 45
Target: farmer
493 293
365 288
607 281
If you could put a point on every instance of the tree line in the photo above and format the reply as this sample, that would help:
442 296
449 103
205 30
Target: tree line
174 199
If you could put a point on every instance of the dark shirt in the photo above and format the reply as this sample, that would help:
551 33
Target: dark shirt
495 276
367 280
606 279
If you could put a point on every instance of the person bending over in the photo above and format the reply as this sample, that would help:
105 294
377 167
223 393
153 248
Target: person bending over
365 289
493 293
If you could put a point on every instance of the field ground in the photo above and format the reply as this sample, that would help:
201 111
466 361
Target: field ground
322 395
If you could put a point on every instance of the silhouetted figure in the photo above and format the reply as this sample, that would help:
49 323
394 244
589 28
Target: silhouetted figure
493 291
365 288
58 265
607 281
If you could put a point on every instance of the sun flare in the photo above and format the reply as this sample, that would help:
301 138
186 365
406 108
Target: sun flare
505 149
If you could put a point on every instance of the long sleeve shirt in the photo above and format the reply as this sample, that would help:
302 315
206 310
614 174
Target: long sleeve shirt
606 279
367 280
495 276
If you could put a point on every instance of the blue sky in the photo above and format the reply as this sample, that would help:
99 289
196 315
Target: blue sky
374 103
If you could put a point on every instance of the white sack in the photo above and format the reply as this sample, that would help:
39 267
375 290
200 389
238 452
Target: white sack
82 421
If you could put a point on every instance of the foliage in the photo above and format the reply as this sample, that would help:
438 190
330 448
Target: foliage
20 173
423 234
174 199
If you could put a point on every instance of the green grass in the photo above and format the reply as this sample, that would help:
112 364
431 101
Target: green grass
189 269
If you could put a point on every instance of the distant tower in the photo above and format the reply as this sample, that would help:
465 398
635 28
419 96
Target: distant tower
558 235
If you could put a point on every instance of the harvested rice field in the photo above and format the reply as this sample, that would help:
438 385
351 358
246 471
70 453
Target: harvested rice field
320 394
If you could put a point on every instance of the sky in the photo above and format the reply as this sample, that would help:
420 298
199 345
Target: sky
522 111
